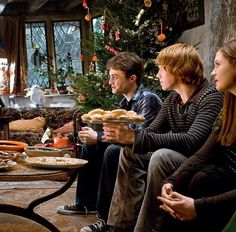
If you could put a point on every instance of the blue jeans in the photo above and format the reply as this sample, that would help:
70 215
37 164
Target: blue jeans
139 179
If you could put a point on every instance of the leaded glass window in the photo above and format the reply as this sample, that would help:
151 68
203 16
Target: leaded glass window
67 43
36 53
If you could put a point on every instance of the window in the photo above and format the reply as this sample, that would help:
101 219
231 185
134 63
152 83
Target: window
36 46
41 57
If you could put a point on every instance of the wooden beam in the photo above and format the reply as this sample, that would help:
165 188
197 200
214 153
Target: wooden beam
36 5
70 4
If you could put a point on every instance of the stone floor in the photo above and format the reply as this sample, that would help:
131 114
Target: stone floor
20 193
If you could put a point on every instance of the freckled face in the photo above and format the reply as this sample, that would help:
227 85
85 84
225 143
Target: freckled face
167 80
118 81
224 73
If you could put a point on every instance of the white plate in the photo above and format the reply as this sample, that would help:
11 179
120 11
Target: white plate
115 121
55 162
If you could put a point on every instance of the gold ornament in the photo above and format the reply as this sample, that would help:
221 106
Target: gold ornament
148 3
88 17
81 98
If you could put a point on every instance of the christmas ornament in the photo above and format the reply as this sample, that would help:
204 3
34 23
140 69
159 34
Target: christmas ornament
105 26
165 6
161 37
111 50
94 58
81 98
91 67
81 57
85 5
117 35
88 16
137 20
148 3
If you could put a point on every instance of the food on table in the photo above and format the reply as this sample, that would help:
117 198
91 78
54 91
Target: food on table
6 163
12 155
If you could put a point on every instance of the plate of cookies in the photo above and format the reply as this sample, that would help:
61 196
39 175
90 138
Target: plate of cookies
98 116
49 162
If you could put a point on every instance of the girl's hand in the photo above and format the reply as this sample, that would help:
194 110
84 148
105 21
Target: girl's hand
179 206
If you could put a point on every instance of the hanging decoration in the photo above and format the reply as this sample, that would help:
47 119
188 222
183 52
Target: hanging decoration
91 67
88 16
161 37
105 26
148 3
94 58
81 57
165 6
111 50
85 4
138 17
117 34
81 98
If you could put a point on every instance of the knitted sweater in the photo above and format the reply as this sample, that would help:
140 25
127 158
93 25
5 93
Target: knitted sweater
181 127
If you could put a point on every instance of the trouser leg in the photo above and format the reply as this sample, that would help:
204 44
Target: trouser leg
129 189
107 180
162 164
88 175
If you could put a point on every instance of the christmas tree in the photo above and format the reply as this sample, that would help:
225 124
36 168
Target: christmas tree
143 27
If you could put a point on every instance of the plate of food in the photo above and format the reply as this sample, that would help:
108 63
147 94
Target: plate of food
10 155
55 162
35 151
6 164
98 116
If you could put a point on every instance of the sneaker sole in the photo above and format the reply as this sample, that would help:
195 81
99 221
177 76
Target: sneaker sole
70 212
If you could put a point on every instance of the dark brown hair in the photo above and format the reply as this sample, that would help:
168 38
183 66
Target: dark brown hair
129 62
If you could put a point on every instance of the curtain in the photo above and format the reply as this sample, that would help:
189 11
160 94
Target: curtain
12 36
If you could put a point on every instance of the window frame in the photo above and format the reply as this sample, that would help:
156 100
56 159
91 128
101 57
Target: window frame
85 29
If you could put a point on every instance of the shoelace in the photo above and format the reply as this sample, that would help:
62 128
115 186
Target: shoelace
98 225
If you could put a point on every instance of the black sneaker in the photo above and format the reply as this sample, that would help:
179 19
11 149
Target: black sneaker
75 209
99 226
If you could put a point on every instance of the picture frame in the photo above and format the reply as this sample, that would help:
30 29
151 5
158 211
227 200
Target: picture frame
185 14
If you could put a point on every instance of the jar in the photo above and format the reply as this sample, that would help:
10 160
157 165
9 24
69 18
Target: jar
61 141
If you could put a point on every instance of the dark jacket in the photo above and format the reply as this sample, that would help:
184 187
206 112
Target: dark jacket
144 102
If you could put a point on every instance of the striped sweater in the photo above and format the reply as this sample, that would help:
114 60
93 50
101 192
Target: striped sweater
183 128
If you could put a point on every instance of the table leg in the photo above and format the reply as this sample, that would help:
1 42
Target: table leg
29 211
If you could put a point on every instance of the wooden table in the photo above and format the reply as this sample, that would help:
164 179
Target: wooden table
22 172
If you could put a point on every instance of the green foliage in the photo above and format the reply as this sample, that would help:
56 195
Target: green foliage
140 38
93 91
65 70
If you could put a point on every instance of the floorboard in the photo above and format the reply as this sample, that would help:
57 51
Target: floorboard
20 193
